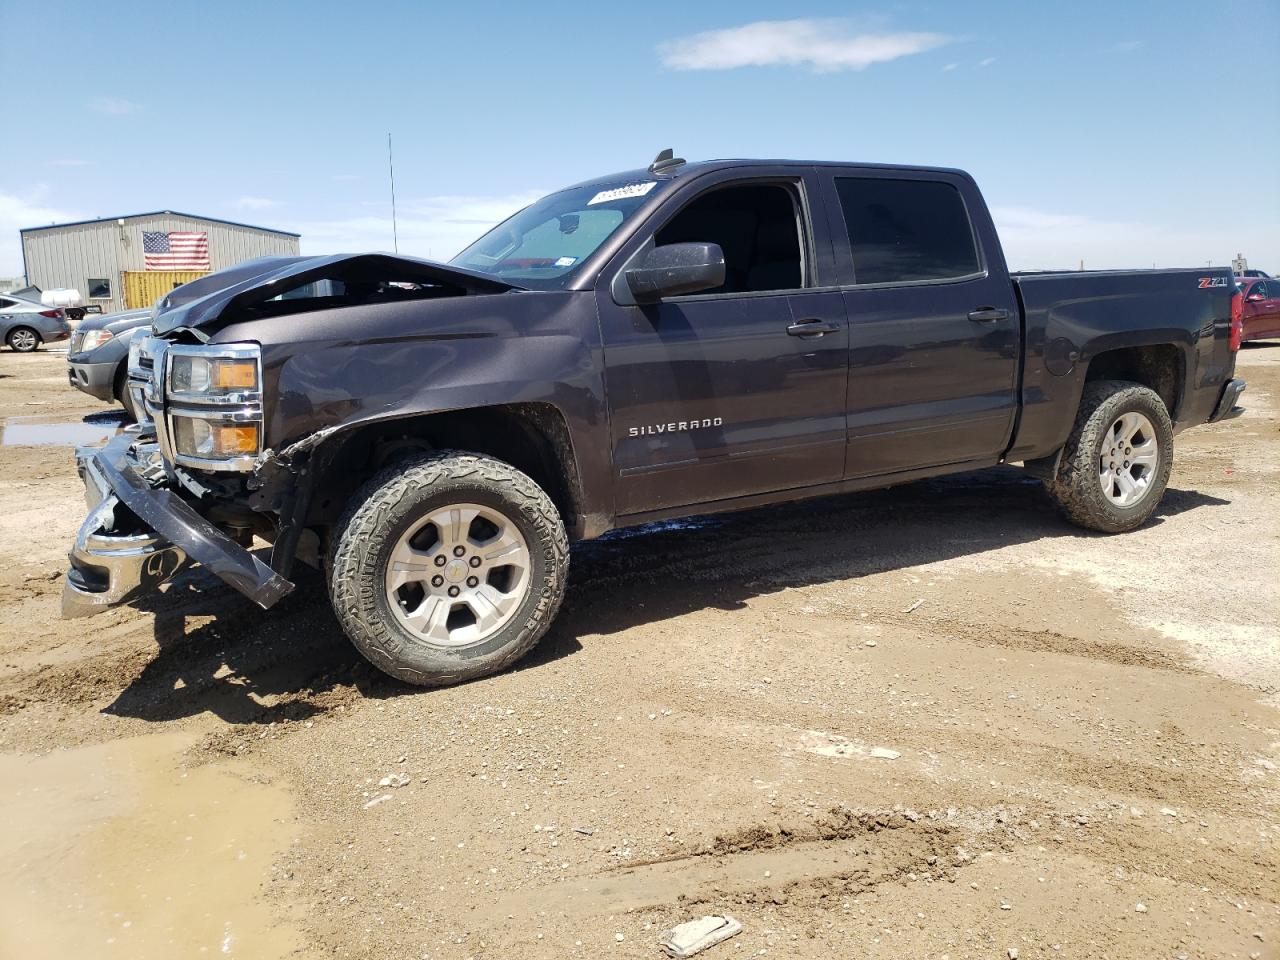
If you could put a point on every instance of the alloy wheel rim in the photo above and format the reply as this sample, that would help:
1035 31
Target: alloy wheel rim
458 575
24 339
1128 459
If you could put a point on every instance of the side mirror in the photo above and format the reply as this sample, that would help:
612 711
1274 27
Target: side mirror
1255 297
676 269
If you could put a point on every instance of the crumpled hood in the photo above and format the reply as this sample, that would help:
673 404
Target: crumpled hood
217 296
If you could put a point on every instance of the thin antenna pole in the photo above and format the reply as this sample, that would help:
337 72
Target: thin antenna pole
391 168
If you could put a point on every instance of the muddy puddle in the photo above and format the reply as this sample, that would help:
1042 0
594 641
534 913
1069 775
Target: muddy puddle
36 432
116 850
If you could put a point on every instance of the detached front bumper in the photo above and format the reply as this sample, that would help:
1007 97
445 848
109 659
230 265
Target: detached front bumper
139 533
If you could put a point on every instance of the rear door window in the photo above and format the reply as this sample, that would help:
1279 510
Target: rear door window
906 231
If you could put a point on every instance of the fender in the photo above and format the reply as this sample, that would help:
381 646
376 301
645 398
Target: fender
332 372
1066 333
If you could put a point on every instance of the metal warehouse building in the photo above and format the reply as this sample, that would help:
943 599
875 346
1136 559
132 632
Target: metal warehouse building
125 262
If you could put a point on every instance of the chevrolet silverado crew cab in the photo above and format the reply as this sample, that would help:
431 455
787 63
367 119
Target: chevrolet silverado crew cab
682 339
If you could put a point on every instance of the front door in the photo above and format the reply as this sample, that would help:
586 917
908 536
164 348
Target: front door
933 322
734 391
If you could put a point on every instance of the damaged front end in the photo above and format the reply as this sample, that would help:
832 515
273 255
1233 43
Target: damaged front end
139 533
203 417
196 479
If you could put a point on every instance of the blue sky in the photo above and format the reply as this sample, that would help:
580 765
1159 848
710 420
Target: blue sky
1149 135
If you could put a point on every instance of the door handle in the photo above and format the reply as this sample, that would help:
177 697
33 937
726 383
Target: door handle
812 328
988 315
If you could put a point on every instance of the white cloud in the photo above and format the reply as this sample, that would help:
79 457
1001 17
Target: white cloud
949 67
114 106
987 62
433 227
256 203
822 45
1038 239
17 212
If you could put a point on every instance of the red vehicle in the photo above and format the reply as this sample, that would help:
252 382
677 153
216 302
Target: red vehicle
1261 308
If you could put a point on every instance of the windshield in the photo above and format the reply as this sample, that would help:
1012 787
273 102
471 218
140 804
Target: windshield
542 244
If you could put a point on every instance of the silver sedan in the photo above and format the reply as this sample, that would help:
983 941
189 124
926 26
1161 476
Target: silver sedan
25 324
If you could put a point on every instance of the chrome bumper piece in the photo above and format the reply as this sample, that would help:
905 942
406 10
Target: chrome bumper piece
114 557
139 533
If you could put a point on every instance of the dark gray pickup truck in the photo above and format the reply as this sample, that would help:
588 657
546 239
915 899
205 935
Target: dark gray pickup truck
686 338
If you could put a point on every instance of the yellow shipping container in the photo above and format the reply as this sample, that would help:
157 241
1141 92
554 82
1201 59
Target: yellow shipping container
142 288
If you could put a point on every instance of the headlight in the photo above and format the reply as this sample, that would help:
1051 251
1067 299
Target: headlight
93 339
213 376
213 404
213 440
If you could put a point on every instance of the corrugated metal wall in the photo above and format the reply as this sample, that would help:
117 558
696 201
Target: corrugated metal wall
142 288
71 256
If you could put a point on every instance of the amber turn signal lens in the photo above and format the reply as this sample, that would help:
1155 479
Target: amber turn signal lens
235 375
235 441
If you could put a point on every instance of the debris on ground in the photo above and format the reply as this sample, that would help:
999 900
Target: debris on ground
697 935
915 606
884 753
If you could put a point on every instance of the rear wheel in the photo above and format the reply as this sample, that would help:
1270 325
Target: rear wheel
1116 463
448 567
23 340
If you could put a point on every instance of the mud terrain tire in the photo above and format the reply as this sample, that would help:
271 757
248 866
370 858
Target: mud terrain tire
386 508
1077 489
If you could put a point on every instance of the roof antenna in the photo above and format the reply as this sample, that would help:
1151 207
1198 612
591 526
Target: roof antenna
664 161
391 167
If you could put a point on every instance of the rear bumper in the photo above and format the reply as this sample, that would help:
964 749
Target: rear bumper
139 533
95 379
54 331
1227 408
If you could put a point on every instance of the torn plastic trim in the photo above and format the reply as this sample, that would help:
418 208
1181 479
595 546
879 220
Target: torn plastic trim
282 482
232 290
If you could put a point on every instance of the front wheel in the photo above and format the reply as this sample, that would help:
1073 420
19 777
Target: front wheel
1116 463
23 340
448 567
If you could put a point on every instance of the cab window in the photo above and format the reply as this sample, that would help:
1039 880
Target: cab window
906 231
758 228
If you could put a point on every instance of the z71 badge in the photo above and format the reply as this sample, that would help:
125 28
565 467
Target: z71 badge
1207 282
653 430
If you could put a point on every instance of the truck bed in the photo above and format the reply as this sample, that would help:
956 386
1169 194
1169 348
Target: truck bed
1071 318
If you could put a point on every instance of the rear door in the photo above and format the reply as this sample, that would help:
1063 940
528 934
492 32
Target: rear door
934 330
735 391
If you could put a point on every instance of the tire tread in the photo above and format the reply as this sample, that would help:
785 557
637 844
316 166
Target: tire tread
1075 489
351 582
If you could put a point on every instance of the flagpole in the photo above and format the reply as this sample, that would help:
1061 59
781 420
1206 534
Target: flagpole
391 168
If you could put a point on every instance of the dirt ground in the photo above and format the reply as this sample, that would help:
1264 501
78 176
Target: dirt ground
1083 734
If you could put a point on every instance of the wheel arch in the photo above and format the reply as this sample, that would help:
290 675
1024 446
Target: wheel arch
533 437
1161 367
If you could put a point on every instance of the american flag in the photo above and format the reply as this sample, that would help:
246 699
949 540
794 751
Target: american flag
178 250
